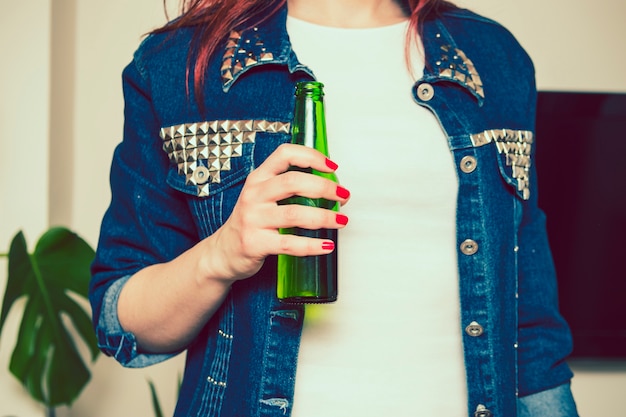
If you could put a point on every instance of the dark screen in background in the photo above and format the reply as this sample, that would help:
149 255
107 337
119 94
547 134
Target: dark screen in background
581 164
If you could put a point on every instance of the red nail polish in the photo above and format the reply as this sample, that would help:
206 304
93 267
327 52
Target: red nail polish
330 164
342 192
342 219
328 245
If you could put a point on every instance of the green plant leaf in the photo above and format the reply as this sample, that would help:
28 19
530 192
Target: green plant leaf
156 405
64 259
45 358
19 265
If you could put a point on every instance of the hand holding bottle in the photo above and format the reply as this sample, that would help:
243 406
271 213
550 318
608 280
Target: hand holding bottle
252 231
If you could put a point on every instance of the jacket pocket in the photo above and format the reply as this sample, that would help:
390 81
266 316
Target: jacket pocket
211 160
514 156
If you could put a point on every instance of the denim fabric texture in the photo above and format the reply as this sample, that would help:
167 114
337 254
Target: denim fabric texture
555 402
243 363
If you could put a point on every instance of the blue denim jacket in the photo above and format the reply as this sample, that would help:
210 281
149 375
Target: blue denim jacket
180 167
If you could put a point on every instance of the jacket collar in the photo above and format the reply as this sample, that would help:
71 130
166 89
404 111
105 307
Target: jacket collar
265 43
268 43
446 61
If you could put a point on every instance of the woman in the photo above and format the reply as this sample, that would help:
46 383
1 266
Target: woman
447 298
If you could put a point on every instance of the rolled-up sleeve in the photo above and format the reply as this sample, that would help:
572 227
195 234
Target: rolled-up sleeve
114 341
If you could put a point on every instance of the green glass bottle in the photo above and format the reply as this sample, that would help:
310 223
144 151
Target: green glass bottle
309 279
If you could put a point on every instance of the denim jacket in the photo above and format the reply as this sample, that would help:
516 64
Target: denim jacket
180 168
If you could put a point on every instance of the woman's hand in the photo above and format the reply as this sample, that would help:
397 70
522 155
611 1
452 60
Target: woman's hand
251 232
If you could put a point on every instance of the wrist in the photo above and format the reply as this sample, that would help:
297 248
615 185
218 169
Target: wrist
220 264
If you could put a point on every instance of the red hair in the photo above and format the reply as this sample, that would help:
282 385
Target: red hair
215 19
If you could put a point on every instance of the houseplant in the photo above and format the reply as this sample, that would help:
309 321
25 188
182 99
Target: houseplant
54 281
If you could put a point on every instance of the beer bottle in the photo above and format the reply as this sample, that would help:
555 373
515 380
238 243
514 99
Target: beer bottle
309 279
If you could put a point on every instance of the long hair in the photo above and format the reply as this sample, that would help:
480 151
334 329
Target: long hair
215 19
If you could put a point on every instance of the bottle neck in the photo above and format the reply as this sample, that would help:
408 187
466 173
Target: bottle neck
309 123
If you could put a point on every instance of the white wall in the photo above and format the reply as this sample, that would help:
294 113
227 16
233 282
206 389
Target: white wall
60 84
575 44
24 90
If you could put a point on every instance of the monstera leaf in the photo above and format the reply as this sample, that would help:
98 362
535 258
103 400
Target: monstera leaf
45 358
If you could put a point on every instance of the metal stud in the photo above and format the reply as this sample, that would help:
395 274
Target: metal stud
225 335
215 382
216 142
455 65
247 45
516 146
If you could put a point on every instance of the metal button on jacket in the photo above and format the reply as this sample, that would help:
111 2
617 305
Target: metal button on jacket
474 329
482 411
469 247
468 164
425 92
201 175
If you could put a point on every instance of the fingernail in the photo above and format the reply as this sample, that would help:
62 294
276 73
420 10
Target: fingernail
342 219
342 192
330 245
330 164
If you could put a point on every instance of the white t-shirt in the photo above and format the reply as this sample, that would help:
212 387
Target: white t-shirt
392 343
